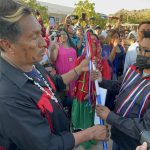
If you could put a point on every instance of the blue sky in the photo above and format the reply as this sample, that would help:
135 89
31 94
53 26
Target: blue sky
108 6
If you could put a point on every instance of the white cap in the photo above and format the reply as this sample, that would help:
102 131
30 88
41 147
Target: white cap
103 33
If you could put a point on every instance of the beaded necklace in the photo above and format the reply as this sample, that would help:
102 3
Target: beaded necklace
50 94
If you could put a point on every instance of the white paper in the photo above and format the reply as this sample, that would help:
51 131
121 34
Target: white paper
102 93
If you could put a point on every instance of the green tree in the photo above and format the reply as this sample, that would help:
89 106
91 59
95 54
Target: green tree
36 6
135 16
84 6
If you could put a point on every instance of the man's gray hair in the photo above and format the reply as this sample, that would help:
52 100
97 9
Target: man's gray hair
11 11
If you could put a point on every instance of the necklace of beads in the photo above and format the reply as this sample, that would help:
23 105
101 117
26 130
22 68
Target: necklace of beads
51 94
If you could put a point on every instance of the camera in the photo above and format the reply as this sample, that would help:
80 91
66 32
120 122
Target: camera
54 35
145 137
146 34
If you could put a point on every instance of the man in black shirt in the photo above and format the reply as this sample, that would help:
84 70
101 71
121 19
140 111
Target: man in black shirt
31 115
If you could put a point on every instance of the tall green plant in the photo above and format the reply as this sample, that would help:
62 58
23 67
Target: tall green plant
88 8
36 6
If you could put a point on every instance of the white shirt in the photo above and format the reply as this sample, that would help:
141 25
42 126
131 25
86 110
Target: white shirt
131 56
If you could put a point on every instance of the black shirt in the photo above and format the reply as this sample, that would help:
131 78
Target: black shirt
29 120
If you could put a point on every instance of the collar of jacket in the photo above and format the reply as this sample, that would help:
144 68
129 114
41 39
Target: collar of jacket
12 73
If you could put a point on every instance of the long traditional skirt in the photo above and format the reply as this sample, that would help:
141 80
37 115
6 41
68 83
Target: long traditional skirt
82 118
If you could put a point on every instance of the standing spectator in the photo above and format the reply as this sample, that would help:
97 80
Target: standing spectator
39 18
81 41
132 102
98 30
77 41
132 51
114 52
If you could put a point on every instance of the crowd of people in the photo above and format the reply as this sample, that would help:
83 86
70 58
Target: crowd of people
47 91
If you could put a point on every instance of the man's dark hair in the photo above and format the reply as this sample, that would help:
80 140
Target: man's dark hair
37 13
144 22
111 32
69 38
97 27
10 14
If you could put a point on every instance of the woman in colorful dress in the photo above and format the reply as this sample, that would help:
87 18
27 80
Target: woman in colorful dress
83 113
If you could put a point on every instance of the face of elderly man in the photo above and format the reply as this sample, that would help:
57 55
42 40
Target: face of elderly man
29 47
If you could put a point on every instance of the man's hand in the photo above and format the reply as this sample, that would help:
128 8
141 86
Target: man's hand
96 75
102 111
97 132
142 147
100 132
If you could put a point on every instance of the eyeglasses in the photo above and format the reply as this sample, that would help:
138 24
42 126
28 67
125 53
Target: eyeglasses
141 50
